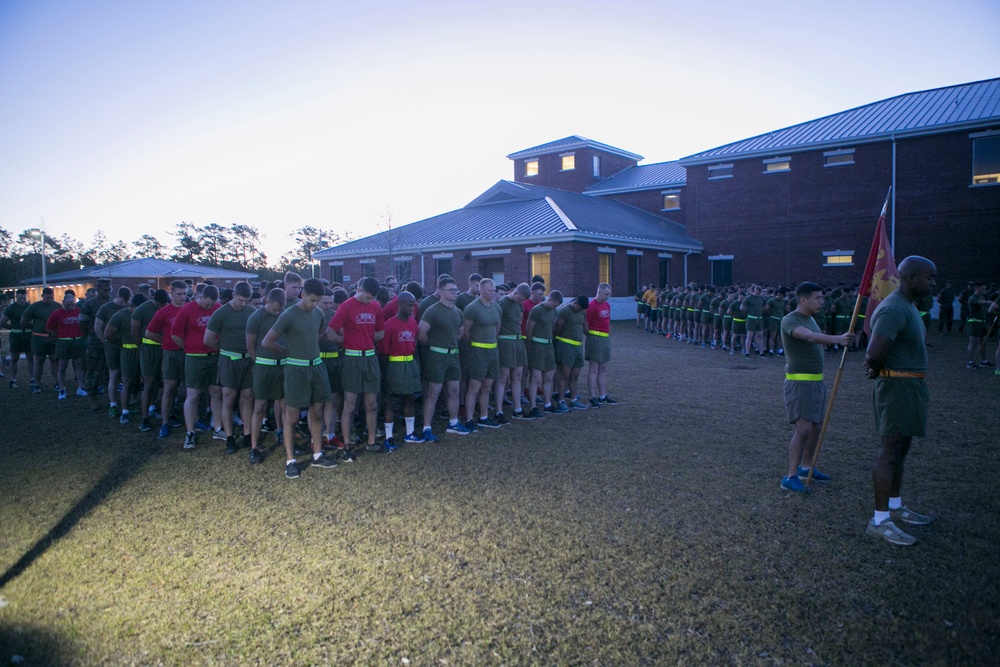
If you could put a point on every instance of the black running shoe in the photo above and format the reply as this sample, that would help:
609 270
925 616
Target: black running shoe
231 445
292 470
256 457
145 426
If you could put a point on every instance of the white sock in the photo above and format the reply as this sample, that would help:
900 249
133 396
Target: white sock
290 461
114 404
317 456
452 422
895 503
388 429
125 411
410 423
880 517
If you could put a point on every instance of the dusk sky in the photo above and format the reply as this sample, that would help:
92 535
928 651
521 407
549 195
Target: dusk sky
132 116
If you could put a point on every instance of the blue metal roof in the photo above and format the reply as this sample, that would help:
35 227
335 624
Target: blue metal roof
512 212
644 177
144 267
571 143
967 105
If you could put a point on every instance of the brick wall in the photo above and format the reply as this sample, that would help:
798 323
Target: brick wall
551 175
652 201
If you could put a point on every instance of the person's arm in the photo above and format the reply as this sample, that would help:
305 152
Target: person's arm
334 336
422 330
4 321
100 326
271 342
875 356
155 337
805 334
531 324
51 325
466 331
110 333
557 326
252 346
211 339
135 327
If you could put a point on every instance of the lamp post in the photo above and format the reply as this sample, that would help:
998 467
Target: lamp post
41 233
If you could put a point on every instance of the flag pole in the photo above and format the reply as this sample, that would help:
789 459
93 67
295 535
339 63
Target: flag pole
862 290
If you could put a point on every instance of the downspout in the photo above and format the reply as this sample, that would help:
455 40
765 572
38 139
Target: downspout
892 240
686 266
422 280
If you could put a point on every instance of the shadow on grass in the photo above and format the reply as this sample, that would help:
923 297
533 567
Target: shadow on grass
32 646
121 471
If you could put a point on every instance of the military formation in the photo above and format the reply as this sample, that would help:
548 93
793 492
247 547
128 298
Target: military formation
318 364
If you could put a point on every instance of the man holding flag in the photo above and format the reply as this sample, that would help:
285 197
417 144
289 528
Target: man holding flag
897 360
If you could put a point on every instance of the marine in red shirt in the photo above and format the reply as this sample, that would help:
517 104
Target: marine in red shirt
200 361
599 346
158 331
401 369
64 325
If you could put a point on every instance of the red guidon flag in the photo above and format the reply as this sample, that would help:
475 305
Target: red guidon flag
881 277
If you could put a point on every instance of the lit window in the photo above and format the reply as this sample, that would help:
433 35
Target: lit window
604 268
568 162
838 258
774 165
531 168
720 171
597 166
986 160
540 266
837 158
671 200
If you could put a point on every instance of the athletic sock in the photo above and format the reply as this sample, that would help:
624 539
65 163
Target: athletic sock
317 456
880 517
114 404
452 422
895 503
290 461
388 429
411 422
125 411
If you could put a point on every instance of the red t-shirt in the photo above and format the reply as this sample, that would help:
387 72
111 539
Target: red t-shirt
526 306
360 322
162 323
392 308
190 324
400 337
66 323
599 316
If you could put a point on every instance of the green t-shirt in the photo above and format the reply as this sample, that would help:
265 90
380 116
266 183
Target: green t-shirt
510 317
143 314
301 331
258 324
573 322
103 313
898 320
978 307
325 344
426 303
705 302
444 322
844 306
463 300
801 356
122 322
776 308
485 321
231 327
734 309
754 305
543 317
14 312
37 315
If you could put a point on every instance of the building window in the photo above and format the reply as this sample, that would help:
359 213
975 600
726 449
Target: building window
838 258
986 160
671 200
568 162
776 164
531 168
540 266
337 274
722 269
368 270
633 274
597 166
404 270
720 171
664 271
441 267
604 268
838 158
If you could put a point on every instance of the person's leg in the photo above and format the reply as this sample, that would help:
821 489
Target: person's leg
601 376
79 377
430 402
246 406
452 401
471 394
191 402
228 401
215 402
887 472
574 381
798 446
61 372
371 415
592 370
516 388
484 398
291 416
536 380
259 412
547 385
315 420
347 416
500 386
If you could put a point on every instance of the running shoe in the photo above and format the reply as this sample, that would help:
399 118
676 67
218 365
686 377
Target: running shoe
535 413
906 515
349 456
390 445
486 422
201 426
12 384
412 438
113 411
795 485
429 436
458 429
125 420
164 431
62 395
231 445
577 405
891 533
520 414
175 422
189 440
501 419
256 457
292 470
471 425
80 391
324 461
595 403
818 474
218 434
607 400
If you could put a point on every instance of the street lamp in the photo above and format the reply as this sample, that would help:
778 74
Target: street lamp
40 233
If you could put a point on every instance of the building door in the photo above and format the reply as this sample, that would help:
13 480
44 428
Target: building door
722 271
633 274
664 271
492 267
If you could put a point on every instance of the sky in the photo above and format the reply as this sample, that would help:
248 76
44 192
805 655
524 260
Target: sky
131 116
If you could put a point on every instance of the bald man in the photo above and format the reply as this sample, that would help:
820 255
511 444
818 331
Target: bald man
897 360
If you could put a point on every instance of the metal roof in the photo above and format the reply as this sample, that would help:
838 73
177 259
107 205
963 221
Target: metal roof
644 177
146 267
967 105
571 143
514 213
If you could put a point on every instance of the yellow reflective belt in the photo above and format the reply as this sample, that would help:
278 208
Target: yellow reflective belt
736 319
598 333
809 377
406 357
329 355
234 356
568 341
147 341
130 346
508 337
485 346
360 353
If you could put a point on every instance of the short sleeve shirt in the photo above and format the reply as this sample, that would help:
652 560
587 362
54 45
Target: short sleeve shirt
898 320
755 305
162 324
13 312
573 322
485 320
66 323
143 314
510 317
400 338
543 318
230 325
599 316
258 324
801 356
359 322
37 315
444 325
122 322
190 325
301 331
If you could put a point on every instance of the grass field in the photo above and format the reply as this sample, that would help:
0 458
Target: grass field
651 532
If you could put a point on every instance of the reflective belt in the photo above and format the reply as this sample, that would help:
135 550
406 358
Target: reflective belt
861 316
359 353
886 373
405 357
234 356
200 354
444 350
147 341
736 319
72 338
598 333
569 341
543 341
263 361
808 377
753 317
775 317
303 362
974 320
40 334
485 346
922 313
18 331
508 337
129 346
329 355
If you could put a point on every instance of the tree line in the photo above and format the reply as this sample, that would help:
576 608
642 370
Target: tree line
237 247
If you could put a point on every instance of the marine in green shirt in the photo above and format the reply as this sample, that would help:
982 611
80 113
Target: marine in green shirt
481 322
